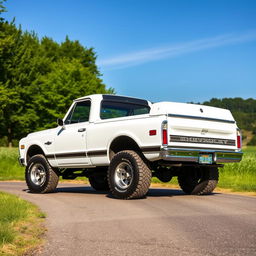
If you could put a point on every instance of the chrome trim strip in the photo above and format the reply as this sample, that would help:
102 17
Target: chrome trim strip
203 150
192 155
203 118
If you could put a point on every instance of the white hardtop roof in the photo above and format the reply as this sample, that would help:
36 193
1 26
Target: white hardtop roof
188 109
100 96
91 96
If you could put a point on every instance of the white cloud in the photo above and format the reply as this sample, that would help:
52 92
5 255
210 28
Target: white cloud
149 55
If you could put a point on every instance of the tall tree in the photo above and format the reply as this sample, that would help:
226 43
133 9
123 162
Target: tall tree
40 78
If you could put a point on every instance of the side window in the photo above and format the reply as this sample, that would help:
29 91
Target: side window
80 113
117 109
141 110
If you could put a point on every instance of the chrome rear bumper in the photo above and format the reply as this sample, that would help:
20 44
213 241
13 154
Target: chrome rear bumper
192 155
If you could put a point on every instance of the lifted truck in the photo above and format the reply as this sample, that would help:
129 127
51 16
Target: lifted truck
119 143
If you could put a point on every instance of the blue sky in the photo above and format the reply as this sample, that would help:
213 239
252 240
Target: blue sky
155 49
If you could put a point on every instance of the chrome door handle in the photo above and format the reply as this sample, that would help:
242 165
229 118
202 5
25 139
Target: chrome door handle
81 130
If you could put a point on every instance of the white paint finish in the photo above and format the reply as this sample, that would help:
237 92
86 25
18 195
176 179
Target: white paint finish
70 140
164 108
201 128
39 139
99 133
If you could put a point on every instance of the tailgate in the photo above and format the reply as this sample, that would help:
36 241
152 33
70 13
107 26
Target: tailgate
198 126
201 133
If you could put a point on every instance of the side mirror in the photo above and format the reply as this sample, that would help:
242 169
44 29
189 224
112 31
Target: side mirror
60 122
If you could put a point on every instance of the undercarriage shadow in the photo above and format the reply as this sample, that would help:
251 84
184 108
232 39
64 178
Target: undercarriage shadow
153 192
81 190
158 192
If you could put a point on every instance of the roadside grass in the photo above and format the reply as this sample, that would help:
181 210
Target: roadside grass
235 176
21 227
9 166
240 176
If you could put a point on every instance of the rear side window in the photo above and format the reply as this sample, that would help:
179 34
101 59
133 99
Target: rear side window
80 113
110 109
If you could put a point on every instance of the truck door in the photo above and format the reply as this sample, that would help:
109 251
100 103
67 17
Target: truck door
70 140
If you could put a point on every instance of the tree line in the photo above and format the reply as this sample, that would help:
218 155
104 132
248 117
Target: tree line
39 79
243 110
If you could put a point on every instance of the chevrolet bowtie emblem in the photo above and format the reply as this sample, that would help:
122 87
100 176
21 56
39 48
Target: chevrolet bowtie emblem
204 131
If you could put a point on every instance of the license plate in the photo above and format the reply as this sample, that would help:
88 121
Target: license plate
205 159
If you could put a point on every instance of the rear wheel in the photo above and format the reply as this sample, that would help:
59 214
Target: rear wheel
40 176
128 176
198 180
163 174
99 181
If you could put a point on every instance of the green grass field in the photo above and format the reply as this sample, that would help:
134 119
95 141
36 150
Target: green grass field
240 176
9 166
236 176
20 225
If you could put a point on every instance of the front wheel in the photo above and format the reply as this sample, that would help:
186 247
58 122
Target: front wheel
198 180
40 176
128 175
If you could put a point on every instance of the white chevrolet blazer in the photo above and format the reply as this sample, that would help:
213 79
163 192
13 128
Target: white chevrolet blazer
119 143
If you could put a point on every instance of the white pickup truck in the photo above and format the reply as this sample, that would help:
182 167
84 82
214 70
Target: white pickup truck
119 143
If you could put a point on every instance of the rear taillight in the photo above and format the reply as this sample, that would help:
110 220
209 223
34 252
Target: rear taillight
164 133
239 139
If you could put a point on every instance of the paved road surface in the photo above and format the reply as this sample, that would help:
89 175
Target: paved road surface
84 222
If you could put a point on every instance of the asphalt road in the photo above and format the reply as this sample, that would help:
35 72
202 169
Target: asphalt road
81 221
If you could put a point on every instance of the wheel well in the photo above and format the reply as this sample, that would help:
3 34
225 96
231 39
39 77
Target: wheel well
34 150
123 143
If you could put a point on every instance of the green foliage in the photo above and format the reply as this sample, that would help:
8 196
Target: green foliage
252 141
39 79
68 80
20 225
12 209
240 176
2 9
6 233
9 166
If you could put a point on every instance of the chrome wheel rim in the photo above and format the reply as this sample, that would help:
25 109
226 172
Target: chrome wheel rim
38 174
123 175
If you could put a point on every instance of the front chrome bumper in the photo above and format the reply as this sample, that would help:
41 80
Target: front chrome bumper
192 155
21 161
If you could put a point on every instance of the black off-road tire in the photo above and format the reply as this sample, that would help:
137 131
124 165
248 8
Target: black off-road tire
163 174
141 175
99 182
198 180
46 184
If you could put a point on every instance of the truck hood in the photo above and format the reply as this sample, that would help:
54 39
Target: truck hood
192 110
41 133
